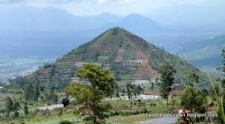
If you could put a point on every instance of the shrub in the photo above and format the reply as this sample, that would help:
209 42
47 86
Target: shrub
65 102
60 111
16 114
145 110
211 104
65 122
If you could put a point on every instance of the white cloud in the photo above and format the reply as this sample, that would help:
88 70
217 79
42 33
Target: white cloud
120 7
101 1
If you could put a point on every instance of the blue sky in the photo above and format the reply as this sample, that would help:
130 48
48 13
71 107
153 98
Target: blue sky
175 10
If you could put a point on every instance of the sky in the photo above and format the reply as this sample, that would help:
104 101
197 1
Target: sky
161 10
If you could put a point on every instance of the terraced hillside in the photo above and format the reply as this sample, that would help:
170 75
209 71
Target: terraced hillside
128 56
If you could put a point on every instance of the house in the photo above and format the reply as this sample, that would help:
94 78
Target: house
141 82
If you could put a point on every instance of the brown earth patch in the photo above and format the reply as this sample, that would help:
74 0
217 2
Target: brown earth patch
139 55
122 83
150 92
145 73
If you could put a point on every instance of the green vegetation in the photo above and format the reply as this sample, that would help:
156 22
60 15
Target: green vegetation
194 78
205 52
103 71
126 55
100 84
133 90
218 92
192 100
65 102
167 80
8 106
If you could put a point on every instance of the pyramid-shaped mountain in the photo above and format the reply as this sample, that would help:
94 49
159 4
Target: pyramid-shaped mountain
128 56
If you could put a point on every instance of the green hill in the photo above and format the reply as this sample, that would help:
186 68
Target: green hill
128 56
206 53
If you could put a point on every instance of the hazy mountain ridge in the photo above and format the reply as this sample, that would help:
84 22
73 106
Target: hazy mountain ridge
128 56
49 19
50 25
206 51
50 32
54 31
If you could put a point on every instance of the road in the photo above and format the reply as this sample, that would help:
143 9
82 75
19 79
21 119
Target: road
51 107
163 120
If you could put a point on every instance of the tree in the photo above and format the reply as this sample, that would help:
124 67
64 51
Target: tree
2 110
16 114
194 79
51 98
152 85
222 69
8 106
36 93
29 92
65 102
25 110
97 84
54 98
129 95
117 91
204 92
220 96
138 90
167 80
16 106
65 122
191 99
26 92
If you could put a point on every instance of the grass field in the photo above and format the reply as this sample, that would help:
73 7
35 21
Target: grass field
76 120
112 120
129 111
118 105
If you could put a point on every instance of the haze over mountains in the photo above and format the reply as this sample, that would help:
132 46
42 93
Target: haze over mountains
126 55
35 28
206 52
48 33
51 25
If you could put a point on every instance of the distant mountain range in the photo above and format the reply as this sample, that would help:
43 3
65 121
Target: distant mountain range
32 19
50 32
24 31
49 19
128 56
206 52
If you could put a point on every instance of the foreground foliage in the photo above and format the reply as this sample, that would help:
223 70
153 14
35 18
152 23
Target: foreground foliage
167 80
192 99
97 84
219 91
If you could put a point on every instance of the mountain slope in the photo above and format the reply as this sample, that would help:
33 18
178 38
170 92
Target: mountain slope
128 56
140 24
206 53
